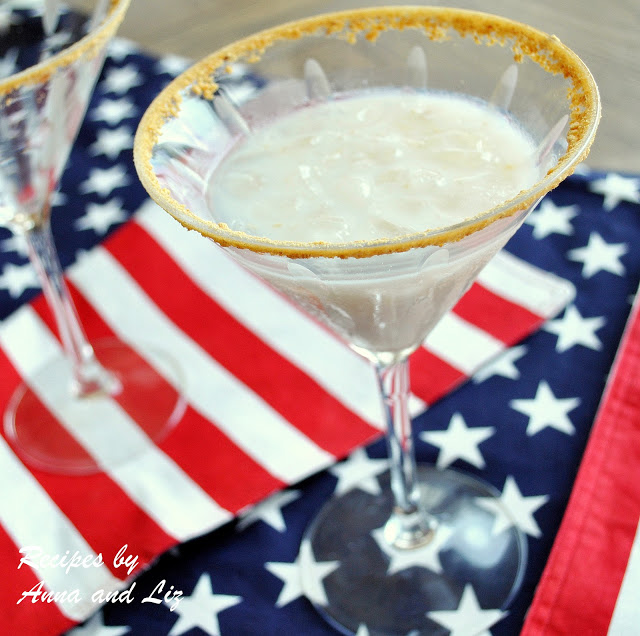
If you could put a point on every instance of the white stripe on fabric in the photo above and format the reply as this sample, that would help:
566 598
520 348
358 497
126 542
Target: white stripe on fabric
626 614
542 293
461 344
217 394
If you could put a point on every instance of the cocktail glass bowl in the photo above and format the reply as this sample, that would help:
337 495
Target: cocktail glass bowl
425 539
62 417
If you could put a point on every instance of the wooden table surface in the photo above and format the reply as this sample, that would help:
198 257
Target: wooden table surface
604 34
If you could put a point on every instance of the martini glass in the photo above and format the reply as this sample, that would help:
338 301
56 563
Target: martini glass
428 538
69 405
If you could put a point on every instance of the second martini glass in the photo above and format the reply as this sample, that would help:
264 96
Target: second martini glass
427 540
69 415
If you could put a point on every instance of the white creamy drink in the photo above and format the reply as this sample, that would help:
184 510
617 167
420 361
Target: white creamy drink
375 165
372 166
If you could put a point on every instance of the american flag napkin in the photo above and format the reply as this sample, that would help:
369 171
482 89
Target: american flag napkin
274 399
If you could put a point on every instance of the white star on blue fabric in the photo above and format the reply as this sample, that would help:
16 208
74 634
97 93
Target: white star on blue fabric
58 199
269 511
104 181
599 256
15 243
502 365
113 111
8 64
513 509
16 279
100 217
459 441
172 65
58 40
121 80
550 218
469 619
426 556
111 142
119 48
615 188
359 471
573 329
95 627
201 608
545 410
303 577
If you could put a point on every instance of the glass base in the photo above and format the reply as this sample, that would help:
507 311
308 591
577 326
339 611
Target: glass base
393 591
53 430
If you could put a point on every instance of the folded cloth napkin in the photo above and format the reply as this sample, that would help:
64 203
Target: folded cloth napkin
273 398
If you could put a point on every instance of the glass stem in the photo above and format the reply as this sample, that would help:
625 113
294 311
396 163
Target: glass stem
88 376
410 526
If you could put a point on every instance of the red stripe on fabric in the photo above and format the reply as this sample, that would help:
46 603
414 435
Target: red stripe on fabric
230 475
49 431
504 320
432 377
10 380
34 619
319 415
581 582
185 443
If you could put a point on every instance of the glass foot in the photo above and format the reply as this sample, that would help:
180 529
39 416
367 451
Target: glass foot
475 561
55 431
